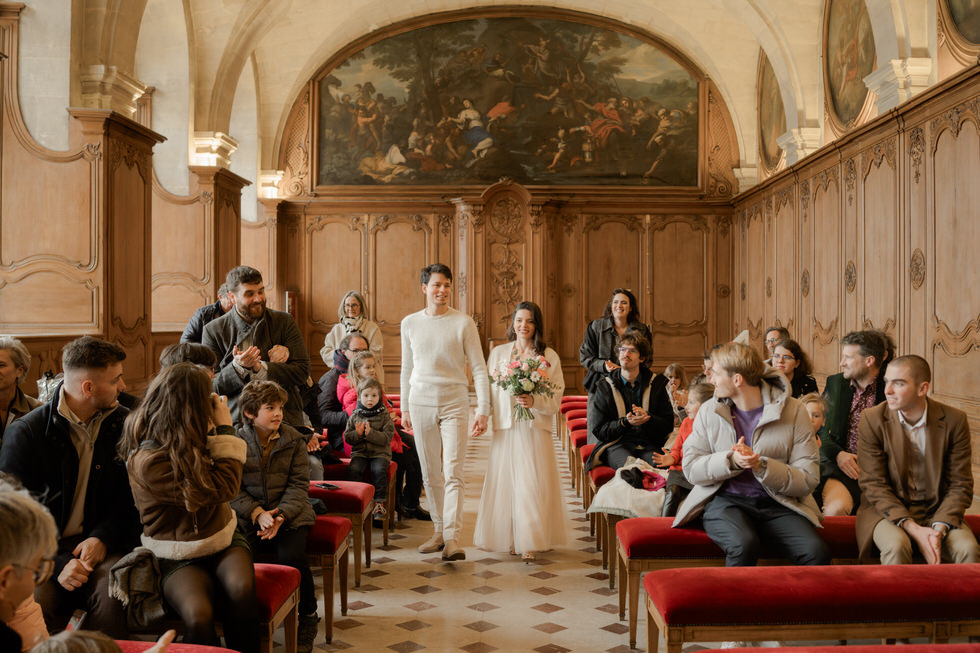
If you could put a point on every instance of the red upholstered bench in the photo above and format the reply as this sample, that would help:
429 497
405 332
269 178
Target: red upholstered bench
811 603
577 437
649 543
338 472
327 548
568 403
861 648
130 646
277 589
355 501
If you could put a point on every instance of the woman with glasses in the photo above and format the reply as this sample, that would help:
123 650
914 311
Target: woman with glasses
521 508
28 542
597 353
630 413
789 358
353 316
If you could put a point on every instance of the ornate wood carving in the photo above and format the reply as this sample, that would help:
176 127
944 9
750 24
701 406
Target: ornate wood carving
888 328
829 175
756 330
724 225
768 286
783 197
804 199
724 291
294 157
880 151
805 283
850 277
917 147
507 218
824 335
917 269
507 275
850 179
445 224
722 153
954 118
957 344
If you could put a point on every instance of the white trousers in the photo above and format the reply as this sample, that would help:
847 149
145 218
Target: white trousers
441 437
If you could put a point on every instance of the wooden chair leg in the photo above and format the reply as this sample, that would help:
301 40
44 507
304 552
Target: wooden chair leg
622 583
634 599
342 578
368 531
328 596
290 626
356 535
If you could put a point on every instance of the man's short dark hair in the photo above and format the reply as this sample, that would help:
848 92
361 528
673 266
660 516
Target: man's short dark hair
345 343
242 274
88 353
869 342
435 268
637 339
918 366
188 352
782 331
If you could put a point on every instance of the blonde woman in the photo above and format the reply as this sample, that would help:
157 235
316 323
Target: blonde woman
353 314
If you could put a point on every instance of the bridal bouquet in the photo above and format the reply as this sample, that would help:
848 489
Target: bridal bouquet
527 377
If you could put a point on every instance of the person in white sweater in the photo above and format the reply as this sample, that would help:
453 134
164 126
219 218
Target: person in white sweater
437 342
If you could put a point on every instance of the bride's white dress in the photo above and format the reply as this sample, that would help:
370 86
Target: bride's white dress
521 508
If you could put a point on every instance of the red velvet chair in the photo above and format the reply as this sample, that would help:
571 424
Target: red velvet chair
327 548
355 501
338 472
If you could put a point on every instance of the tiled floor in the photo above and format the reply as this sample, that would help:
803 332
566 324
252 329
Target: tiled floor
490 602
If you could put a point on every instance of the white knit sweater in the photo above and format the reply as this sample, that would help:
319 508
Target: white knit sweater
435 350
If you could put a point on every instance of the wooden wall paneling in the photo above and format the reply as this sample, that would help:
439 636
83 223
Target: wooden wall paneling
785 267
507 256
881 231
571 313
955 144
828 284
293 263
182 243
803 282
721 295
755 274
682 274
918 178
613 255
769 272
45 357
259 247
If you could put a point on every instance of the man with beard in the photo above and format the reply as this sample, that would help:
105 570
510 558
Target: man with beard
254 343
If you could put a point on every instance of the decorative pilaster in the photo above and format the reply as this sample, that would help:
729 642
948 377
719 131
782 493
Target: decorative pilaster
222 192
799 142
898 80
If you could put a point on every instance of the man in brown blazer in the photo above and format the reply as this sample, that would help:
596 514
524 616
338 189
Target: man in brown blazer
916 481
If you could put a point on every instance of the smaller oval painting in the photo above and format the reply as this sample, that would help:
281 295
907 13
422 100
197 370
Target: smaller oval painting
966 16
849 55
772 115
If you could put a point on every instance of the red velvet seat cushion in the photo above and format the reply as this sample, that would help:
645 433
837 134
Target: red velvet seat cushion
573 398
577 423
838 593
327 534
578 413
273 585
572 405
351 497
601 475
138 647
338 471
578 437
585 451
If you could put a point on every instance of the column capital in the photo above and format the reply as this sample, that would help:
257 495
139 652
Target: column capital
799 142
898 80
213 149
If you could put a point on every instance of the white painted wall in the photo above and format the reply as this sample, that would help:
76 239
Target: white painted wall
44 70
244 128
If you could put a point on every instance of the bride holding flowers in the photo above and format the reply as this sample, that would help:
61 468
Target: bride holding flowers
521 508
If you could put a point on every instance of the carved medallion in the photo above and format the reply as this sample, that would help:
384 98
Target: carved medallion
724 291
445 224
805 283
917 268
850 277
507 218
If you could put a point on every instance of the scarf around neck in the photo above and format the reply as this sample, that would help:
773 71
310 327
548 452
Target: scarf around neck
370 412
352 324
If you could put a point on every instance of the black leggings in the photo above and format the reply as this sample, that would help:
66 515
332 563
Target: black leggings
193 593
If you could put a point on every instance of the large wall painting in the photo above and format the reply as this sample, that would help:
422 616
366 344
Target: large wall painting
539 100
849 56
772 115
966 17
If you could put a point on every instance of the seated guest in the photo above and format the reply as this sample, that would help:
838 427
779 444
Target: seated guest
189 352
916 477
353 314
369 431
677 485
403 449
65 453
857 388
629 412
194 331
185 466
753 462
15 360
273 504
332 413
598 351
816 408
255 343
773 335
28 542
790 359
677 388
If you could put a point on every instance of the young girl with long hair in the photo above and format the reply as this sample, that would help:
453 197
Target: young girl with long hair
185 465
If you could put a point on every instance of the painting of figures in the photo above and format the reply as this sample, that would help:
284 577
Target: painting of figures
850 57
772 115
966 16
539 100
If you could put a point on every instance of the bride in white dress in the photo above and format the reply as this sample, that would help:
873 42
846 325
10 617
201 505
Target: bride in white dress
521 509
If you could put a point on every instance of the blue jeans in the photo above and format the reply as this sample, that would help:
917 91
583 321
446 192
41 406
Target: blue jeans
379 474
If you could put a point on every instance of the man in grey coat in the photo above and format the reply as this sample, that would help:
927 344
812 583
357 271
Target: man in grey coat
754 462
255 343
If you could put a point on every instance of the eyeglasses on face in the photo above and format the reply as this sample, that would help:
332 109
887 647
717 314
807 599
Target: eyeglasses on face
783 357
772 341
42 572
627 350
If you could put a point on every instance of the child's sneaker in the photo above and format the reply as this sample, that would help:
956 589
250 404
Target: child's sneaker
380 511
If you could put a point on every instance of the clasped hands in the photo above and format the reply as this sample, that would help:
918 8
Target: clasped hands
637 416
743 456
251 358
269 522
362 428
89 553
929 540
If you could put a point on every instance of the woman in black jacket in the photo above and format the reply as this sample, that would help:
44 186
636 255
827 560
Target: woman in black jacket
790 359
597 353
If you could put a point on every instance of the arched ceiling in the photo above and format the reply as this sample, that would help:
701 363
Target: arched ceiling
289 40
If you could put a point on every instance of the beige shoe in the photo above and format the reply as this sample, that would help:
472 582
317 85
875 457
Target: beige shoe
433 544
453 551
